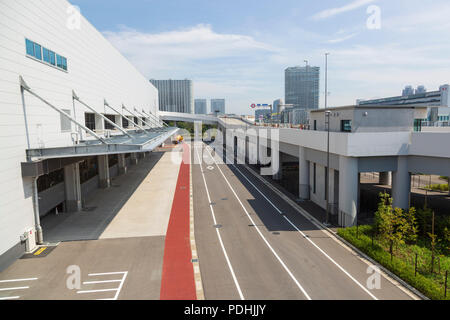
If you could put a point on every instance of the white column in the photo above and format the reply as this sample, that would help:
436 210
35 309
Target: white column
279 175
304 187
103 172
72 187
348 191
401 184
385 178
122 164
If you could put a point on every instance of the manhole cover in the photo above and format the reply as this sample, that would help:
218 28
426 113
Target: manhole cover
183 188
213 203
210 168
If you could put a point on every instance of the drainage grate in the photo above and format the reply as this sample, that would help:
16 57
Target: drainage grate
276 233
224 199
41 252
218 226
115 185
194 260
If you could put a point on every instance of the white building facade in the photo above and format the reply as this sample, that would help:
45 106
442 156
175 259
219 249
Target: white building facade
57 52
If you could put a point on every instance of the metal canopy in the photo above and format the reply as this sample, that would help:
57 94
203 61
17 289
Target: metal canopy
114 145
128 142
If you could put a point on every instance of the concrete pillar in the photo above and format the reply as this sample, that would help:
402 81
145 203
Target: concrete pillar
122 164
304 187
134 159
401 184
385 178
72 187
103 172
279 175
348 191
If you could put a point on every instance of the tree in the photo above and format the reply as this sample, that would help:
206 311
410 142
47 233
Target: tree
395 225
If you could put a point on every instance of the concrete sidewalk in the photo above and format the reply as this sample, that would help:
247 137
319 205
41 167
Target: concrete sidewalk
137 204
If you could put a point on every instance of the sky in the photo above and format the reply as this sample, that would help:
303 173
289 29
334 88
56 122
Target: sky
238 50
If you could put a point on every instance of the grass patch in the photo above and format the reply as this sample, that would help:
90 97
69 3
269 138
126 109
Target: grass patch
403 261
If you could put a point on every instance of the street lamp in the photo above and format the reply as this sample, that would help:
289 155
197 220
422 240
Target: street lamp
327 191
326 79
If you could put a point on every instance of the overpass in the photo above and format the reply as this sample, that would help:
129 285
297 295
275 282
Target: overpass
226 121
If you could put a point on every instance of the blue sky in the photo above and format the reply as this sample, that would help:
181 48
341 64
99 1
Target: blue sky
238 50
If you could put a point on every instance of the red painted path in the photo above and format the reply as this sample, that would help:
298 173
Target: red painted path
178 272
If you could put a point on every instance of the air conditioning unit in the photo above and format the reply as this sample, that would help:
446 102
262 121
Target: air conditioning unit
29 237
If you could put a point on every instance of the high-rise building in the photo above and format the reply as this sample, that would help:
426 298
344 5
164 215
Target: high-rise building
302 87
200 106
218 106
175 95
408 91
276 105
421 89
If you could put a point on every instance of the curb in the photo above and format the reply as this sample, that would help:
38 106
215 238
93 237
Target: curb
195 260
389 275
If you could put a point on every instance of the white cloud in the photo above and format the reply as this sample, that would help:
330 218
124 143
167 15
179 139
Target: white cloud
328 13
342 39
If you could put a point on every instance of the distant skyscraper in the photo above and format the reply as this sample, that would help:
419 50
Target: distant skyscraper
200 106
218 106
302 87
175 95
421 89
276 105
408 91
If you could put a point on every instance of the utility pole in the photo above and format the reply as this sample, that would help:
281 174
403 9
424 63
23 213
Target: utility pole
327 191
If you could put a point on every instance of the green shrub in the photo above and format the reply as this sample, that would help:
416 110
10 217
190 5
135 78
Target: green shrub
429 285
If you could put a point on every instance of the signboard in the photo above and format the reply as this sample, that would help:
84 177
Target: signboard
254 105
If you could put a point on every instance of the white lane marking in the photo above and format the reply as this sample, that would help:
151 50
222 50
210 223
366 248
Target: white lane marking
307 238
260 233
18 280
102 281
9 298
117 290
218 232
98 290
400 284
15 288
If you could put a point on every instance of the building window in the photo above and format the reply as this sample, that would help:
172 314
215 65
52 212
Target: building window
89 120
66 124
33 49
125 122
41 53
346 125
109 126
315 125
136 120
417 125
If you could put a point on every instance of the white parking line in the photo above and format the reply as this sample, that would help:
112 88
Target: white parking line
15 288
260 233
218 233
117 290
307 238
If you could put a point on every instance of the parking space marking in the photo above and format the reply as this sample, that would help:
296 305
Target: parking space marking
15 288
117 290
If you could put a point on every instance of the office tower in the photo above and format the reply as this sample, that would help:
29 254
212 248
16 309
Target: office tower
302 87
276 105
175 95
218 106
421 89
200 106
408 91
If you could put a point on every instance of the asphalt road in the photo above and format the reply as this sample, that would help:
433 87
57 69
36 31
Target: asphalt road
253 245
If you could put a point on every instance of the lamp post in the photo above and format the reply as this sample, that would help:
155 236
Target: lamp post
326 79
327 191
